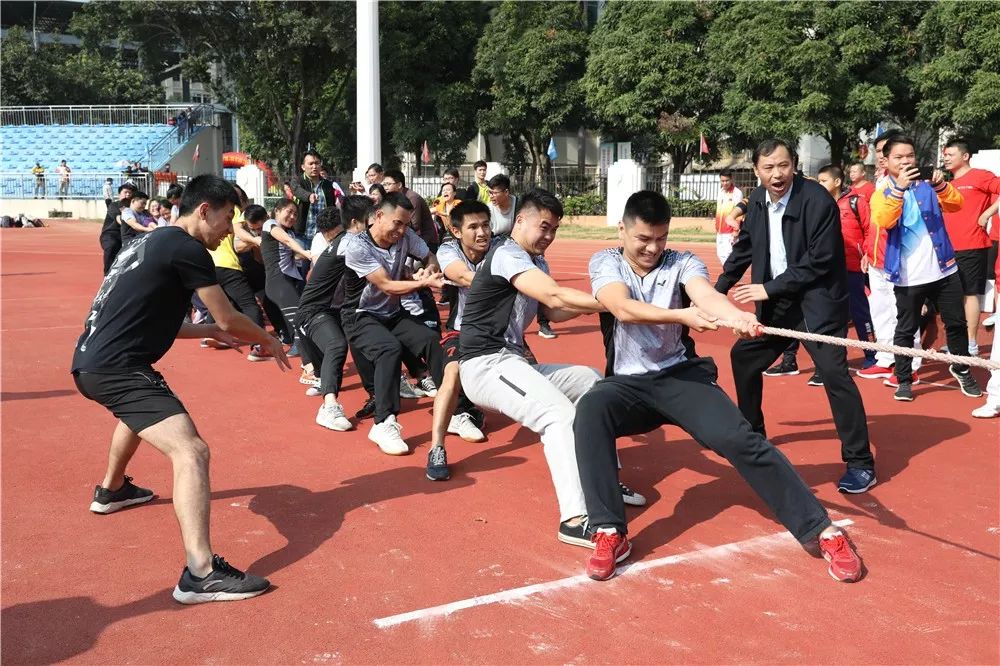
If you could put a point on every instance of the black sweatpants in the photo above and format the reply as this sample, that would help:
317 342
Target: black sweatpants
381 341
685 395
323 335
947 297
111 244
285 291
238 289
751 357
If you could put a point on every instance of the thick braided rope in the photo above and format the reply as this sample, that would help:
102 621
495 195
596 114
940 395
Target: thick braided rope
874 346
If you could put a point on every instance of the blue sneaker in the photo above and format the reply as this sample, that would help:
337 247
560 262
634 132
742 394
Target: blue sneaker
293 351
869 362
856 480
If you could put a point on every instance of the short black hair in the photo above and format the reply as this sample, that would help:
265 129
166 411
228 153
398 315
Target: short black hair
356 207
452 171
480 163
377 187
376 167
451 185
312 153
174 190
897 139
540 200
499 180
768 146
138 195
466 208
241 195
214 190
727 173
396 175
888 135
961 144
395 200
646 205
255 213
832 169
281 205
328 219
130 187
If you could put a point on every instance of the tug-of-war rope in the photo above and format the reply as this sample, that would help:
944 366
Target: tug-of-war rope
873 346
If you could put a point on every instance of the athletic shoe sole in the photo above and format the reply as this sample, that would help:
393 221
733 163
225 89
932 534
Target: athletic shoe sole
858 492
631 501
439 478
253 358
332 427
877 375
961 387
468 439
574 541
547 336
782 374
902 399
111 507
189 598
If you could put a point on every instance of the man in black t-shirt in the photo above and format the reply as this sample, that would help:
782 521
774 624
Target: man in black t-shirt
111 235
136 316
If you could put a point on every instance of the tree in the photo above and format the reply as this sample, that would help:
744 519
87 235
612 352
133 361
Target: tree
428 52
648 77
284 68
530 60
827 68
959 75
59 74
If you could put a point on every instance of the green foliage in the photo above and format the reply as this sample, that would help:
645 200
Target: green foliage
530 60
691 207
585 204
58 74
648 76
959 79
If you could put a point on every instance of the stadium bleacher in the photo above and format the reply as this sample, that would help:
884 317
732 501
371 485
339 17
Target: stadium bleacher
95 148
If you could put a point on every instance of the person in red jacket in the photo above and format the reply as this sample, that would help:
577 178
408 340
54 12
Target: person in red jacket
968 237
859 181
855 227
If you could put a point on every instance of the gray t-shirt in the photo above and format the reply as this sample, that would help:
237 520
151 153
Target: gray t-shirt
502 223
496 313
450 252
636 349
363 257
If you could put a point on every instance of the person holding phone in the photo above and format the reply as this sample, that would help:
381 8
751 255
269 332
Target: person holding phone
919 258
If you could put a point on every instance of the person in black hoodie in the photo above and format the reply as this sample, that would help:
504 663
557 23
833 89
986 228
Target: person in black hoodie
791 237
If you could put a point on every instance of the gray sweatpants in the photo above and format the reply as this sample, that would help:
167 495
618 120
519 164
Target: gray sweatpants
543 399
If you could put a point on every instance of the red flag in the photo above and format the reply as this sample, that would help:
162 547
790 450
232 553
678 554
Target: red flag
704 145
197 153
425 155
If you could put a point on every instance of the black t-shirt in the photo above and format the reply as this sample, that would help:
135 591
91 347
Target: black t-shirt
111 219
327 271
496 313
141 304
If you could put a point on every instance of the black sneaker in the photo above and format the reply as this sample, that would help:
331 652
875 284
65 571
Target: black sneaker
367 410
966 382
815 380
437 464
545 331
904 392
786 368
225 583
106 501
576 535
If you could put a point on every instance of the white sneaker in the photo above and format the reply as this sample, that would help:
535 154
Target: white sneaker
408 390
426 388
312 392
462 425
332 417
987 411
990 321
386 436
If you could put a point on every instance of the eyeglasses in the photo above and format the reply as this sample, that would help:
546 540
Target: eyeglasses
389 183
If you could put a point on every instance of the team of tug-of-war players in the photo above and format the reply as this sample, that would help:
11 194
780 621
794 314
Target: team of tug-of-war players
371 263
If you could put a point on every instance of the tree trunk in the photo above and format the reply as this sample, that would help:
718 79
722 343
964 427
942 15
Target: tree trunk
679 158
838 144
533 150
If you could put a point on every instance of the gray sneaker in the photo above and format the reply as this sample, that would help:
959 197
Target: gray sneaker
966 382
407 390
225 583
332 417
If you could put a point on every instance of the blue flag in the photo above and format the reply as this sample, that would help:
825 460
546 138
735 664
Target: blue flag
551 152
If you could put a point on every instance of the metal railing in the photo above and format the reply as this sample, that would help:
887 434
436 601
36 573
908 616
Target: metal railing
564 181
156 156
135 114
77 186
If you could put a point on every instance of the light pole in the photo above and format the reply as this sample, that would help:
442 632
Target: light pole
369 137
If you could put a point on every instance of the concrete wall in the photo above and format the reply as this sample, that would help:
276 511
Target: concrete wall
86 209
210 154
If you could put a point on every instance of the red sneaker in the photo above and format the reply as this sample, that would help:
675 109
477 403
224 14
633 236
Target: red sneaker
845 565
609 550
875 372
893 383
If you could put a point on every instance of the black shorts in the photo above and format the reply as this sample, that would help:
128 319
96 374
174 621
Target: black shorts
972 270
140 398
449 342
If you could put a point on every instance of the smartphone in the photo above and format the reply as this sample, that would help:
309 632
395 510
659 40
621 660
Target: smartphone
926 172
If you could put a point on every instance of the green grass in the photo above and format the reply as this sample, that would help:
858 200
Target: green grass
680 235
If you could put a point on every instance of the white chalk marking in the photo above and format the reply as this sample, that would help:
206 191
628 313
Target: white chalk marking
515 594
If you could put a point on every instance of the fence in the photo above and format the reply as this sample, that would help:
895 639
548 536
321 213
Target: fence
563 181
142 114
156 156
77 186
702 186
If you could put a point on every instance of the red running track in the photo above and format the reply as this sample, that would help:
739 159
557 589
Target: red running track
354 540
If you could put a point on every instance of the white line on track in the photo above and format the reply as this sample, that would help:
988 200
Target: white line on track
631 569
